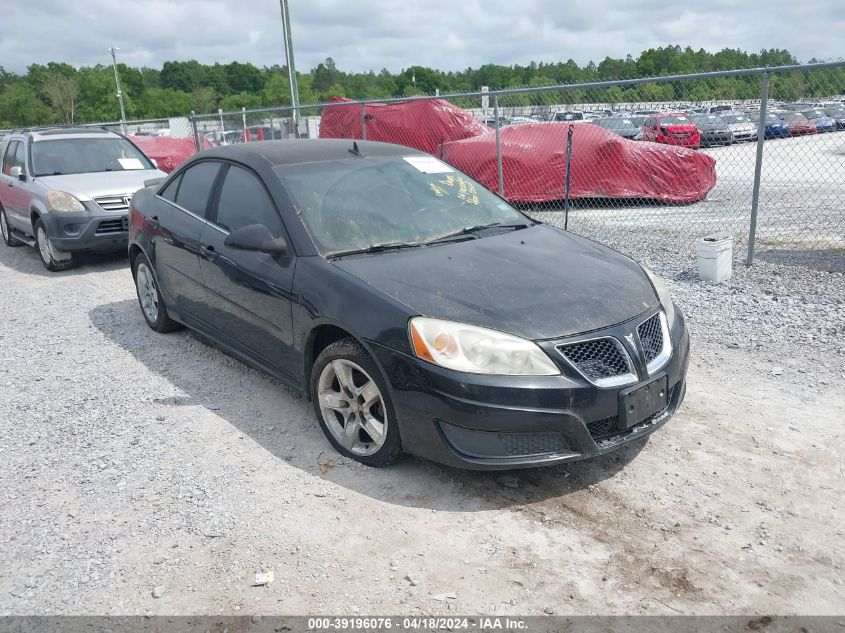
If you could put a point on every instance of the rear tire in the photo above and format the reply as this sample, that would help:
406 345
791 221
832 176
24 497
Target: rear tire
149 297
6 230
53 259
353 405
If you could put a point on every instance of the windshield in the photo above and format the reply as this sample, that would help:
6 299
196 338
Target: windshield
355 204
794 116
86 155
614 123
813 114
735 118
708 119
569 116
675 120
835 112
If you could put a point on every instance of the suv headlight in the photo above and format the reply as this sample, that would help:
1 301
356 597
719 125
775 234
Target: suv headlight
477 350
663 295
64 202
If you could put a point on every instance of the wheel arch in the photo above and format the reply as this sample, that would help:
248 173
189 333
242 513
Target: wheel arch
319 338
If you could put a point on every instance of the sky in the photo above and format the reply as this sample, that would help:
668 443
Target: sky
362 35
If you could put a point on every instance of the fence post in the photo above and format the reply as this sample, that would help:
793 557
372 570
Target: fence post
363 122
566 178
243 118
498 146
758 167
196 132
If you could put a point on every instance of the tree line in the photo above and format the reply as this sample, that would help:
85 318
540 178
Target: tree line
60 93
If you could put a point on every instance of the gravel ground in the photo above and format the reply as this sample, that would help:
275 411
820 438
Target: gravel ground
153 474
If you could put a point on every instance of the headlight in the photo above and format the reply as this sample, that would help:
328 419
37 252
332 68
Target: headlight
64 202
477 350
663 295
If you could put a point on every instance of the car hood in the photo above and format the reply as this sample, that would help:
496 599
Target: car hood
538 283
88 186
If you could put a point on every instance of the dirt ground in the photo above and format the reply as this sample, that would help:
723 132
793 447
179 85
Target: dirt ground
134 464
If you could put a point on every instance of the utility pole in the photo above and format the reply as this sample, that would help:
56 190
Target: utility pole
294 91
119 92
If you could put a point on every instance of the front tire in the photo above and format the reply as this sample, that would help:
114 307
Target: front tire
149 297
353 405
53 259
6 230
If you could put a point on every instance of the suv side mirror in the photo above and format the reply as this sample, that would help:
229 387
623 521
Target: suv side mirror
17 172
256 237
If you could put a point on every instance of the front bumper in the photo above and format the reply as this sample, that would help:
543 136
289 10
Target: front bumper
499 422
100 232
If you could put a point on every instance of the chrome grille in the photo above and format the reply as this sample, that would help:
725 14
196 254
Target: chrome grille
651 338
598 360
118 202
532 443
116 225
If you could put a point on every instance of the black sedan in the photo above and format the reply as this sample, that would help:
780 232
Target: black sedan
416 309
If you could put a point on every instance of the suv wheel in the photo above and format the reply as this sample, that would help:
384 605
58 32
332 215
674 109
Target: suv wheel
6 230
149 297
353 404
53 259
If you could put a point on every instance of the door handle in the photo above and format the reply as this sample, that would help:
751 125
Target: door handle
208 252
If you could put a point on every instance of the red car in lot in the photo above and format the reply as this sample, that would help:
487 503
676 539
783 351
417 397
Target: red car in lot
798 124
673 129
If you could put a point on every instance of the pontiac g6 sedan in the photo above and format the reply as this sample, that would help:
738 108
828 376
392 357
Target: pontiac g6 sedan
418 311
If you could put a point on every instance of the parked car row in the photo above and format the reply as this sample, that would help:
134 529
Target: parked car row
702 127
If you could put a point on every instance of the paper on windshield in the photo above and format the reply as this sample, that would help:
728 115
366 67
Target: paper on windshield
130 163
428 164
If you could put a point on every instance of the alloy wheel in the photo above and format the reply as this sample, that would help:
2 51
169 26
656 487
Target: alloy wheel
147 293
352 407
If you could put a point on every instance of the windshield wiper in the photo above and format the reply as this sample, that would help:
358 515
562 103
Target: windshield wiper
375 248
469 230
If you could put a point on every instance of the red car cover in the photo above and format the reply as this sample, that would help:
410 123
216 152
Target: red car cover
603 165
420 123
533 155
168 152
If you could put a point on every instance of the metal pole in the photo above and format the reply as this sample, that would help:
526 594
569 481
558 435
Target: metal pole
758 168
294 90
243 118
196 132
119 92
498 147
222 127
566 180
363 122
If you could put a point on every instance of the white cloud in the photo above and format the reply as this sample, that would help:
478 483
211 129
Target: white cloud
375 34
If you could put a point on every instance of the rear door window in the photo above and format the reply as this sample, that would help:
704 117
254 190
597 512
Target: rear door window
9 157
195 187
169 192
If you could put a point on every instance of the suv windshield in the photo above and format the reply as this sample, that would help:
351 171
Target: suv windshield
356 204
85 155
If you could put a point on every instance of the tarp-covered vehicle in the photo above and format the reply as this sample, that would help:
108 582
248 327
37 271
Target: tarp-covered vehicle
168 152
603 164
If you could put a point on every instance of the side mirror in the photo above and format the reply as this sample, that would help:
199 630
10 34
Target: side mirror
17 172
256 237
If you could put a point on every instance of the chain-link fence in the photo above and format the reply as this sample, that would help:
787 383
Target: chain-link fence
639 163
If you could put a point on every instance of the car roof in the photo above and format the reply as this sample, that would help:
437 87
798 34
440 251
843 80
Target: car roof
290 152
69 132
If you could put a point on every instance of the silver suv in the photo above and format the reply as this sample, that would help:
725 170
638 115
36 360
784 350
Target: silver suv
67 190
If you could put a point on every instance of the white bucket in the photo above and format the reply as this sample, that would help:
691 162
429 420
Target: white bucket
715 257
